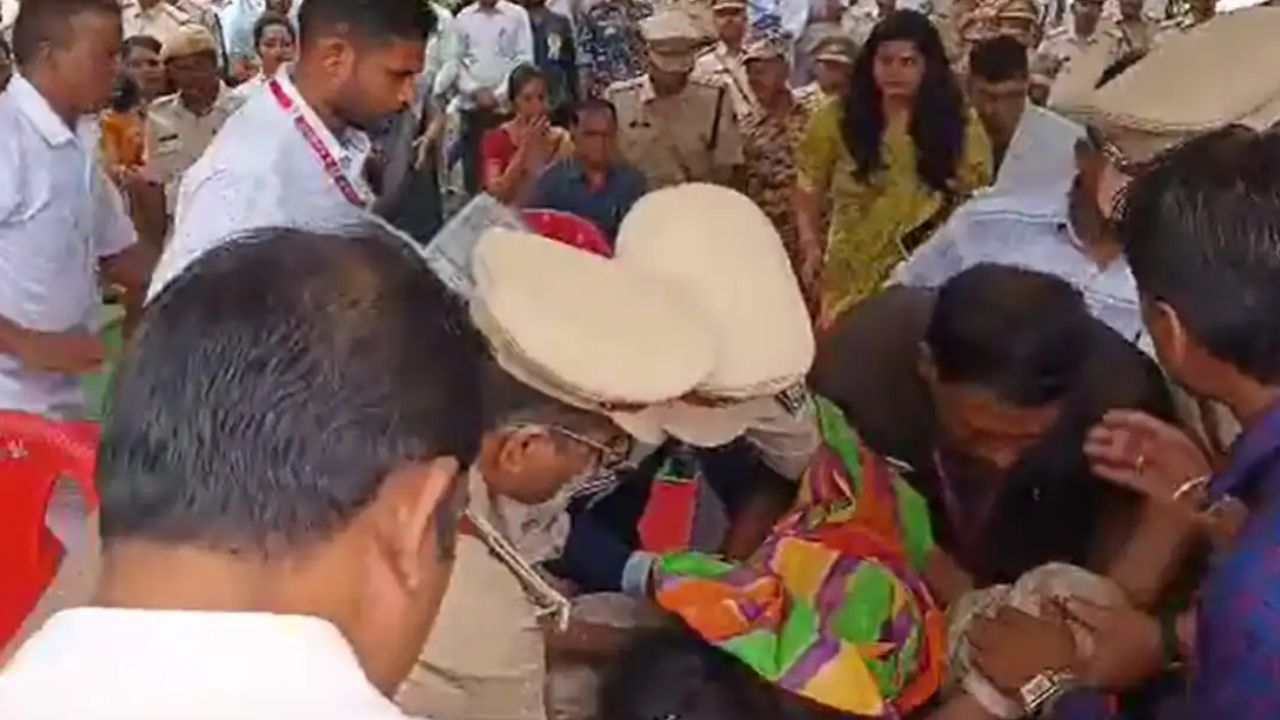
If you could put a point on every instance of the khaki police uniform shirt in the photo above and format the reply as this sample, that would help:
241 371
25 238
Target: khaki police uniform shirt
678 138
1062 45
177 137
720 66
162 21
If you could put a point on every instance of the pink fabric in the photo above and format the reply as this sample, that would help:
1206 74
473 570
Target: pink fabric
569 229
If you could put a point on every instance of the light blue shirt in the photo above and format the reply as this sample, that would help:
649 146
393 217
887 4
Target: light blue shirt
1033 233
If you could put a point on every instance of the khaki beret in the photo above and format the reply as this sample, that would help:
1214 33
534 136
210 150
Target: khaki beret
724 254
767 47
189 40
728 5
837 48
583 329
1222 72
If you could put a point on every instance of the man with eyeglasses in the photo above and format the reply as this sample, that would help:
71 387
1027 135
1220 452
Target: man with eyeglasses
560 368
717 465
1051 225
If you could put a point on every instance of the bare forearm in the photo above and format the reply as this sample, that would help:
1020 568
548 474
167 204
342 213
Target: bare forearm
12 336
1153 555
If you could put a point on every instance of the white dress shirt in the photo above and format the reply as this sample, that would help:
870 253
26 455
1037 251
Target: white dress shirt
1035 233
260 172
58 217
116 664
488 45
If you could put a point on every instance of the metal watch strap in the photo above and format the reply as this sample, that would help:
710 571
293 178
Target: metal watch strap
1041 690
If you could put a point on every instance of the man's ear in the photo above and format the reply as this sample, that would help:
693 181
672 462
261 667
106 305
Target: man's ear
1169 335
337 56
420 497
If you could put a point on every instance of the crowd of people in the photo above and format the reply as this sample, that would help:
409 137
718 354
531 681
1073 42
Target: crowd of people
884 360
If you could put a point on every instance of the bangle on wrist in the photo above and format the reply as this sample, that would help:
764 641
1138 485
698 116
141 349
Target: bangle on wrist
1190 487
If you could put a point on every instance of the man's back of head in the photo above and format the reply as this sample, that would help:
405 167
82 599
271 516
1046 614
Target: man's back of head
294 407
1004 329
1201 227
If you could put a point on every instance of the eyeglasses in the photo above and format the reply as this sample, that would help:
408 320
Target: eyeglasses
611 455
1098 142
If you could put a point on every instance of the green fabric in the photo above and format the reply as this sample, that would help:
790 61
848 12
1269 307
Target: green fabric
797 632
913 510
694 564
97 386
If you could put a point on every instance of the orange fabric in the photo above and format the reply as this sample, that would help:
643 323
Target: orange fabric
123 139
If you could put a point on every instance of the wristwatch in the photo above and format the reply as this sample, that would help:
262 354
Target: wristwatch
1040 691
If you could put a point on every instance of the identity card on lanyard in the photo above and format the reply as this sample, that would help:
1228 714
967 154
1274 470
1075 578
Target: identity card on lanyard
331 166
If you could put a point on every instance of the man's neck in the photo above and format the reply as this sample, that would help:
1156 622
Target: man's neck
596 176
147 5
1083 35
482 7
313 94
48 88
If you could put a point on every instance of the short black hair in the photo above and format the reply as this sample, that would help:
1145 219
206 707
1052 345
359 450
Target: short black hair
43 22
505 400
999 59
126 96
272 387
270 19
671 672
144 42
1119 67
1016 333
522 75
375 20
1201 231
590 105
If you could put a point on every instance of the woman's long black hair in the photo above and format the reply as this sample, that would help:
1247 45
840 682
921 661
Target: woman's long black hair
938 118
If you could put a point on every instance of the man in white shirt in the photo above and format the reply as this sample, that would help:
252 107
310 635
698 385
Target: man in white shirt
280 492
491 38
61 221
1064 235
294 155
1034 148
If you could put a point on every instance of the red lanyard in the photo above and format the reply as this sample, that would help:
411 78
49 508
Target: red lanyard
331 166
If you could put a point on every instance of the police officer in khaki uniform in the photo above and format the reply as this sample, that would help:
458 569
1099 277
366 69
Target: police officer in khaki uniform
162 19
672 127
181 126
722 63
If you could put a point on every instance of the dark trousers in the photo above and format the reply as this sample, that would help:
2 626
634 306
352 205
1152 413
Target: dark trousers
475 123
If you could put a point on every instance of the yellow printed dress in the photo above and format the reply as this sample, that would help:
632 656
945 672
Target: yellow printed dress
870 219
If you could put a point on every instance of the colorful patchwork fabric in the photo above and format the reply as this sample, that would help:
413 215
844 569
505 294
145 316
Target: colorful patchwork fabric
832 607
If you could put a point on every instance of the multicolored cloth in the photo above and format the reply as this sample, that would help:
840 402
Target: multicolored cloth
832 606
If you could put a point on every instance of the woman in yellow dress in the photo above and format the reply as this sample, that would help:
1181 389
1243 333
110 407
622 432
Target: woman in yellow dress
892 160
